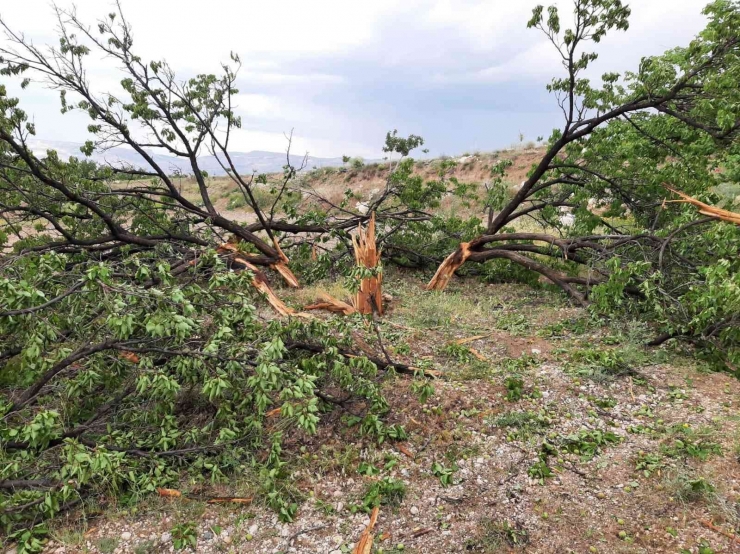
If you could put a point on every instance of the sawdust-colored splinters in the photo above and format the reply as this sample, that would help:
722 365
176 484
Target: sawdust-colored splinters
370 295
706 209
365 544
452 263
259 281
282 267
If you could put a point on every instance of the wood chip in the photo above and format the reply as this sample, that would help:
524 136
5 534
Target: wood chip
365 544
170 493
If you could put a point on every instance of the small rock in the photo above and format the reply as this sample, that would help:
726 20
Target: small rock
336 539
335 552
414 511
166 537
536 351
227 539
207 536
253 529
126 535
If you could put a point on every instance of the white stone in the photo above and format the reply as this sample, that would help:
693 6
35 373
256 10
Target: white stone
414 511
253 529
125 535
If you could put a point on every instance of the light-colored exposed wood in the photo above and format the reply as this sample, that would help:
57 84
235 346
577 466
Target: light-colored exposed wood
369 297
448 268
331 304
706 209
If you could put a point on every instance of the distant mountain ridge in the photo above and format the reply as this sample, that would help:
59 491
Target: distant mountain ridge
245 162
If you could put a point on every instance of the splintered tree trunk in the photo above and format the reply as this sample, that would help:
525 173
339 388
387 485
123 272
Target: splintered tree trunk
448 268
370 296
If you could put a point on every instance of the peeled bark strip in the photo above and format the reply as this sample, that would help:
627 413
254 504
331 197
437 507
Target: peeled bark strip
331 304
448 268
370 296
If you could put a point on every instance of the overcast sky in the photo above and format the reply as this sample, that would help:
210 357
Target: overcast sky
465 74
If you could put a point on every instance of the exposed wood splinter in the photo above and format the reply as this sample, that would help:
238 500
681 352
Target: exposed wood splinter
331 304
369 297
365 544
259 281
452 263
282 267
706 209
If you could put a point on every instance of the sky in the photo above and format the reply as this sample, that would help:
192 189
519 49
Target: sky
466 75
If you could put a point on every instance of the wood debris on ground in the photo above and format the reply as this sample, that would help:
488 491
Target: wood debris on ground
331 304
365 544
174 493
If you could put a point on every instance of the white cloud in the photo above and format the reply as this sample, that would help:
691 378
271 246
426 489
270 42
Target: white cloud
341 73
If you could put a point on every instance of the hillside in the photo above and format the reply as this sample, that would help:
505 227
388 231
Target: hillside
331 182
246 162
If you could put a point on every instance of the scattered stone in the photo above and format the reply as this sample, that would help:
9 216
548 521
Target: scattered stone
126 535
414 511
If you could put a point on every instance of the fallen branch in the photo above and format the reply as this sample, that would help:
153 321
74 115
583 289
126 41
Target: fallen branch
381 363
706 209
710 525
259 281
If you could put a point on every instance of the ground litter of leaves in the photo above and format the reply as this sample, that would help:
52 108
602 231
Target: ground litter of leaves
551 433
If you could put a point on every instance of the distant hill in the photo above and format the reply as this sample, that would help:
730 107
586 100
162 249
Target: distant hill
246 162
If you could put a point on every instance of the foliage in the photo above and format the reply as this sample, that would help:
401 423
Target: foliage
139 375
184 536
385 492
444 474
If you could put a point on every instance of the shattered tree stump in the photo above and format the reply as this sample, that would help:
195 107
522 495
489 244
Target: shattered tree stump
369 297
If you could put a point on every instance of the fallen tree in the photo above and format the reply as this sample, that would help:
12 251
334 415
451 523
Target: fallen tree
131 345
592 217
